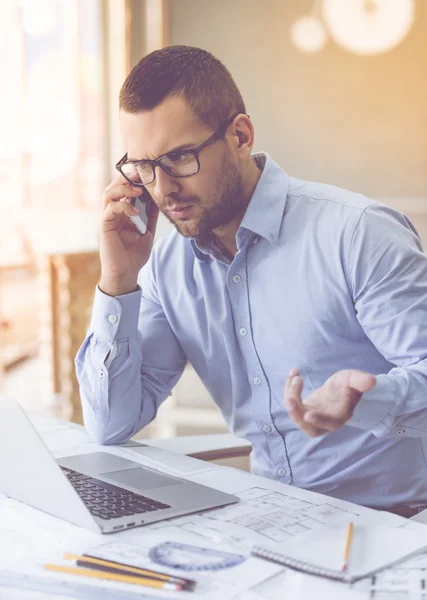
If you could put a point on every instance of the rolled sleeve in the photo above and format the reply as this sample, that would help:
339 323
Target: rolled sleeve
388 275
376 409
128 363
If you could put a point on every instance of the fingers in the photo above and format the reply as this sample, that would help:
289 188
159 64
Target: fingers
122 207
359 381
346 388
293 400
290 377
295 407
323 421
331 406
118 189
114 213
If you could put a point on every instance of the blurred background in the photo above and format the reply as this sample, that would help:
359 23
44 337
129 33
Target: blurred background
336 89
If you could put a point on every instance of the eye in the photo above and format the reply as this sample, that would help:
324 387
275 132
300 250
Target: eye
131 171
179 157
144 168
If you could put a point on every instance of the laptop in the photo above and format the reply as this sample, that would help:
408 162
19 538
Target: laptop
98 491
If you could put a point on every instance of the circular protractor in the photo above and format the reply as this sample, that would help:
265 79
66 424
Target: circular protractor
193 558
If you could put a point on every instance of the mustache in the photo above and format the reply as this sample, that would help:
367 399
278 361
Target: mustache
171 201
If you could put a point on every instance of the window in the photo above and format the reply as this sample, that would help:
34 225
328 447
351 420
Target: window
52 115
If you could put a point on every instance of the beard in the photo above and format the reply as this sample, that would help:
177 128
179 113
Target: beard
223 205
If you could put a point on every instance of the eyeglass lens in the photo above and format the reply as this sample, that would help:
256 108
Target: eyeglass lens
179 164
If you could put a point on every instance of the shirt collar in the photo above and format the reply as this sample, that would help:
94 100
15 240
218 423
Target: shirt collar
200 253
265 210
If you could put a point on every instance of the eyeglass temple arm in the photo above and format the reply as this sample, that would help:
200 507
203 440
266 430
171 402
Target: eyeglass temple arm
122 160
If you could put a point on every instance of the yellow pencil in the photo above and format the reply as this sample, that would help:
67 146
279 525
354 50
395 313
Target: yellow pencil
85 560
154 583
348 541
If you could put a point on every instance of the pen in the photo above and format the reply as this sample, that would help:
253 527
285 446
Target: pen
348 541
111 566
138 580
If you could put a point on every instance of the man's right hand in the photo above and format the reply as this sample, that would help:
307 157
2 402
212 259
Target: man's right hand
123 250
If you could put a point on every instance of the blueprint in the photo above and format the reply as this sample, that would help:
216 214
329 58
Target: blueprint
407 581
213 547
32 538
216 545
279 517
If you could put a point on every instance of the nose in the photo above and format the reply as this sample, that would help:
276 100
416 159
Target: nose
164 184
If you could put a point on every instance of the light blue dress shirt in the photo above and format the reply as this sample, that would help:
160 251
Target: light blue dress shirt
323 280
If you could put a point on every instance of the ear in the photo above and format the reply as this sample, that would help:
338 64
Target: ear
242 131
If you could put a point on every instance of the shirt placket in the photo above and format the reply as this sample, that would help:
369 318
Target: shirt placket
238 291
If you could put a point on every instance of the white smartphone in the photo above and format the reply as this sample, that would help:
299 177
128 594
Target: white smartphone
142 203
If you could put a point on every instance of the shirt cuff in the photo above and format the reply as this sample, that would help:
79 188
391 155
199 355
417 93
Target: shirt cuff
376 409
115 317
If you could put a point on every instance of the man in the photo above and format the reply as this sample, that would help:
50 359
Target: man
301 306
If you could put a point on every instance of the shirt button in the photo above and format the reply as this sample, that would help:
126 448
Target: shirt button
266 428
401 431
236 278
243 331
101 373
112 318
281 472
257 380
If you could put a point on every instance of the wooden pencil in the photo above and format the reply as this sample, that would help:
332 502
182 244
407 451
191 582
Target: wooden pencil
347 549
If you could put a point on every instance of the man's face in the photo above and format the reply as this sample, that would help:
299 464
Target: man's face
197 204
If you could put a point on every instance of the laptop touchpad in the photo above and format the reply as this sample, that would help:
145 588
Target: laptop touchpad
140 478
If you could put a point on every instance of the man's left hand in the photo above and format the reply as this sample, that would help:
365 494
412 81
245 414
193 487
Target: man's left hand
329 407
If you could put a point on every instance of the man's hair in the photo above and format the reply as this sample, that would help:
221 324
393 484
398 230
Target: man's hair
194 73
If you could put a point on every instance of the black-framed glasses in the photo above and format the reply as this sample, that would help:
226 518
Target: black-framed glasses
180 163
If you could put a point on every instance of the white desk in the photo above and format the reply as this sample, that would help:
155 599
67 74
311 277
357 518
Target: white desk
38 538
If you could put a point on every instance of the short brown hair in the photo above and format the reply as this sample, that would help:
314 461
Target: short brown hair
201 78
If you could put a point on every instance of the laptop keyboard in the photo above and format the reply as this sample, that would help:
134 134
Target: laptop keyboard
108 501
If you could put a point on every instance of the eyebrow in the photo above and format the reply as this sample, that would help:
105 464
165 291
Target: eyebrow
176 149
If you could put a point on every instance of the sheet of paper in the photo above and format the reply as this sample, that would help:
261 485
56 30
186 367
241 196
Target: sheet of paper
373 547
420 517
8 593
407 581
302 587
275 513
291 585
31 538
27 533
268 511
23 586
220 479
221 571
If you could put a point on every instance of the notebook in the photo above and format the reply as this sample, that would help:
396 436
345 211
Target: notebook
321 552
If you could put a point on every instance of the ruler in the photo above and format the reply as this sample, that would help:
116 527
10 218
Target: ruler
68 589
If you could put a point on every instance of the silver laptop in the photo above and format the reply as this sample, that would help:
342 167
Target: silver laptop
98 491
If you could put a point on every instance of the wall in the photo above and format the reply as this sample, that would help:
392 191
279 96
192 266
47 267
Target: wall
357 122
